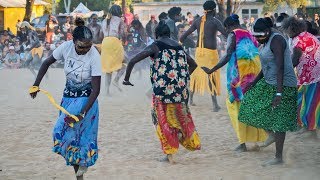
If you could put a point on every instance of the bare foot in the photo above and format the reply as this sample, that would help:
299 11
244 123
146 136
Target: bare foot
241 148
81 171
168 158
275 161
192 104
117 86
216 109
271 139
256 147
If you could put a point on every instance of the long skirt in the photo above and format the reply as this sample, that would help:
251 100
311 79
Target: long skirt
256 108
309 106
112 54
199 82
174 125
77 145
244 132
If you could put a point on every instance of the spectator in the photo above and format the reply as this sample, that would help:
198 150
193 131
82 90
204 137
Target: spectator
128 17
65 27
18 25
190 18
163 16
188 42
5 49
174 16
23 35
251 23
12 59
244 25
50 28
17 46
5 36
95 29
316 22
151 26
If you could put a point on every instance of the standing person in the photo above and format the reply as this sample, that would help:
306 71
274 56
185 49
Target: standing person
206 53
316 22
77 144
174 15
243 67
128 17
306 58
251 23
96 31
170 72
112 52
151 26
66 27
50 27
271 101
18 25
163 16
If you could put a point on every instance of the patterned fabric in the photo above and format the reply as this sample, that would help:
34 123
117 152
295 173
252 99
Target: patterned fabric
78 145
174 125
256 109
170 74
244 65
309 106
244 133
74 90
308 69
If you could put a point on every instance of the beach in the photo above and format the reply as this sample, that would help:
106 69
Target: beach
128 145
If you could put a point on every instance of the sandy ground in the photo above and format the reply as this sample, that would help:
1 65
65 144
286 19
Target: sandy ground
129 148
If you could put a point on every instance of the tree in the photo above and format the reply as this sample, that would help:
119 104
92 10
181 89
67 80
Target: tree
272 5
233 7
222 10
29 5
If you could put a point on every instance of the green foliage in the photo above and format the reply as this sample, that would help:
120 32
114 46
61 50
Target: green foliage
272 5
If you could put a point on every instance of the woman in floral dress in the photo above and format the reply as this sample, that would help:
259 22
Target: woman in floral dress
170 74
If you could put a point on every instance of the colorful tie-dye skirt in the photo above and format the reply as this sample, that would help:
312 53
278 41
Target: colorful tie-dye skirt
309 106
174 125
78 144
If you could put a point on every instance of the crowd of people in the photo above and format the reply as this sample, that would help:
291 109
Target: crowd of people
272 76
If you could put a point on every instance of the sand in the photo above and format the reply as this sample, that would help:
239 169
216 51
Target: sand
129 148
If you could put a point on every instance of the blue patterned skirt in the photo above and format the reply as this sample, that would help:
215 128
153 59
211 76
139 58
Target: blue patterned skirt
78 144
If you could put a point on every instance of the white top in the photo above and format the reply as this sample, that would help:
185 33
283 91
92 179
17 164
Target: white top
78 68
115 28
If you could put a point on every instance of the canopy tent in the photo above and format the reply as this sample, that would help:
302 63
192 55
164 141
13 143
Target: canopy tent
83 11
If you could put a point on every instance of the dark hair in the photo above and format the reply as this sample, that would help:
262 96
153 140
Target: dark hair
285 15
188 13
232 20
296 26
115 10
209 5
93 15
181 26
162 16
280 19
162 29
174 11
81 32
269 21
310 29
262 24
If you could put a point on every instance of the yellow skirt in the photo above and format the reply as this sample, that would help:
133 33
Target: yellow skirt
199 82
38 51
244 133
112 54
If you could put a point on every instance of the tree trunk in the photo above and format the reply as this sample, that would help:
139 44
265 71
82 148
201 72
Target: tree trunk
67 4
123 4
29 5
229 7
222 10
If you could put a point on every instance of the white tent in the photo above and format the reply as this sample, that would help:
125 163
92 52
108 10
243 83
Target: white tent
83 11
